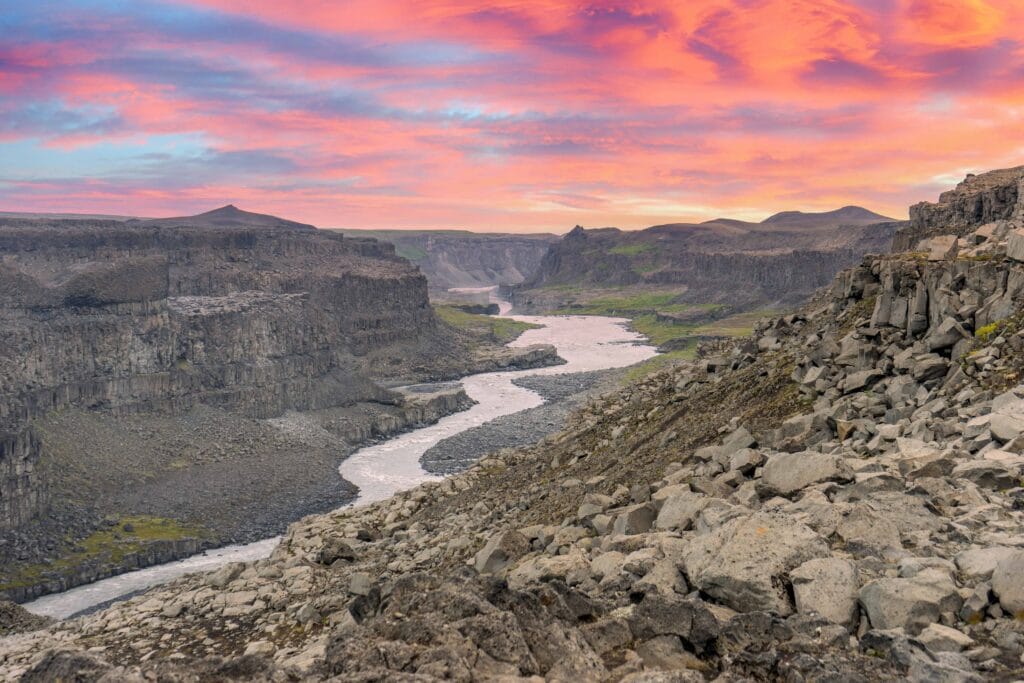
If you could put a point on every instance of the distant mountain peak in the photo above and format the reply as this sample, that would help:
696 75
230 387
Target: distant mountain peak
847 213
230 216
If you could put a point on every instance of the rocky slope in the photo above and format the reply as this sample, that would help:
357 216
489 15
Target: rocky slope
778 261
452 258
837 497
142 363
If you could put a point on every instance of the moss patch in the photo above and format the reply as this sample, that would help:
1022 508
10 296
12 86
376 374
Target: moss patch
501 330
631 249
110 545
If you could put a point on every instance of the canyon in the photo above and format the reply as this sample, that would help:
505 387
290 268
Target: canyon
456 259
836 496
145 363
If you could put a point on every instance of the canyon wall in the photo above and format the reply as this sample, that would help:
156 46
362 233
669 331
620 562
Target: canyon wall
719 262
133 319
450 258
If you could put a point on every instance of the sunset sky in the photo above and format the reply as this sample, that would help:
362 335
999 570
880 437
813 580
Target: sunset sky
504 115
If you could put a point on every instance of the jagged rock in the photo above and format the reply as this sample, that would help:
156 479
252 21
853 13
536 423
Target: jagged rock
910 603
789 473
501 550
635 519
687 618
946 335
743 564
827 586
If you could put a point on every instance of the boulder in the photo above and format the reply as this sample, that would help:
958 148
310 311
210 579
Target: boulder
635 519
687 618
744 563
987 474
946 335
1015 245
979 563
910 603
939 638
1008 583
679 511
501 550
788 473
827 586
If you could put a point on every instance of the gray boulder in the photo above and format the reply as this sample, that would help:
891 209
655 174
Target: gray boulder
827 586
635 519
788 473
1008 583
745 562
501 550
910 603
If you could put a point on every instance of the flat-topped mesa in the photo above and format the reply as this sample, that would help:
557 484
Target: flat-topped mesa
978 200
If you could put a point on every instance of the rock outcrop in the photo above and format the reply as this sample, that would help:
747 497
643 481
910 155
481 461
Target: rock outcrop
978 200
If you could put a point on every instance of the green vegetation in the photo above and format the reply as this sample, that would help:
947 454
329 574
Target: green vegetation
501 330
984 334
110 545
660 332
659 362
631 249
407 251
640 302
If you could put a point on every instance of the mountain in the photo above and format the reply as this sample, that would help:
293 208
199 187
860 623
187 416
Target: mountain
229 216
835 497
458 258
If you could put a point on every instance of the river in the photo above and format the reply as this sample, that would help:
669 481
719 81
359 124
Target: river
586 342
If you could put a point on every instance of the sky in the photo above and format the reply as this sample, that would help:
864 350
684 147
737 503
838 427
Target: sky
510 115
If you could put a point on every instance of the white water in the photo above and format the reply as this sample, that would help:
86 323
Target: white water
585 342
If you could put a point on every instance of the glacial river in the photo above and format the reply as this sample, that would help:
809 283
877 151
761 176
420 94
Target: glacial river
585 342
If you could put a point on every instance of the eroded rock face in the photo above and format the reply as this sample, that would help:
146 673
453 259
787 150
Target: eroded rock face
978 200
129 319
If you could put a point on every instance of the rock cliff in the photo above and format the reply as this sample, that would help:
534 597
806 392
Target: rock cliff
979 199
451 258
122 338
778 261
836 497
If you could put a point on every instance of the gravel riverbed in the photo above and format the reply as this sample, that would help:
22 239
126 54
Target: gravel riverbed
562 395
